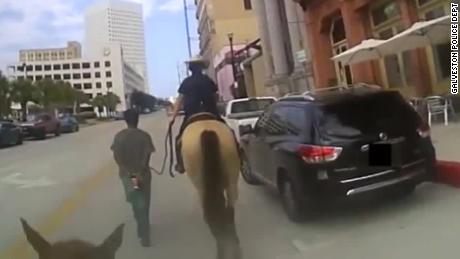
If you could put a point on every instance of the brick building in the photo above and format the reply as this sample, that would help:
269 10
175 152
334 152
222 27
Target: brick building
334 26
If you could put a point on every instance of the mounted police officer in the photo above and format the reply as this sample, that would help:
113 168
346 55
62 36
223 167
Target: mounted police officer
197 94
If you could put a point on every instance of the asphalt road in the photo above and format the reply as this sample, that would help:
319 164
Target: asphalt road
68 187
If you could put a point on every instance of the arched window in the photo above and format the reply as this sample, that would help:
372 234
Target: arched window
339 44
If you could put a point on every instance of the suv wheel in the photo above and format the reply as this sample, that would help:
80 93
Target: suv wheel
246 172
41 135
57 132
292 203
19 140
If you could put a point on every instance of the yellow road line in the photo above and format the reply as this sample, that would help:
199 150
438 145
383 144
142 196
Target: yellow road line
54 221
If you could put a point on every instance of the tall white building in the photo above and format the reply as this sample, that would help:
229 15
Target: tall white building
117 22
105 72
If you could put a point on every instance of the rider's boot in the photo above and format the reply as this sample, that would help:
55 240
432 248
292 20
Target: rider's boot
179 167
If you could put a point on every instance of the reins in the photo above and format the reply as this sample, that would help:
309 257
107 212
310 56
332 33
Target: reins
168 151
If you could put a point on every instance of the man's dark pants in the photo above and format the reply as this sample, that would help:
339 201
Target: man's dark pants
140 203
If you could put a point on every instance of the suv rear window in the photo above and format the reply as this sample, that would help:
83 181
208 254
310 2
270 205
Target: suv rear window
368 115
255 105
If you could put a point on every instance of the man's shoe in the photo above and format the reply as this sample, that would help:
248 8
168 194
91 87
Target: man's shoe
179 168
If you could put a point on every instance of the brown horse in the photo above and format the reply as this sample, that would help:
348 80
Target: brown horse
212 162
73 249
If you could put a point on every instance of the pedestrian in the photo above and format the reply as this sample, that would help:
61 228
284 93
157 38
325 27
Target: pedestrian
197 93
132 148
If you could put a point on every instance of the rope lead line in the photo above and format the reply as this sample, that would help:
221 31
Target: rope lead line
168 140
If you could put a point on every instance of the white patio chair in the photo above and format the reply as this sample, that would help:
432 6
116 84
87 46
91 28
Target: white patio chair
437 105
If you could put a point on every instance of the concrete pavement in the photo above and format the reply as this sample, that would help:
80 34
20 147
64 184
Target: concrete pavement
88 203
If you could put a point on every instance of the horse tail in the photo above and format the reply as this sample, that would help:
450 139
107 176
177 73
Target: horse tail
213 181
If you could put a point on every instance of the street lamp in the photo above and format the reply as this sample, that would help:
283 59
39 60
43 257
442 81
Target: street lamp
232 57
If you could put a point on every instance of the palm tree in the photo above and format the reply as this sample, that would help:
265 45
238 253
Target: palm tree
5 96
24 91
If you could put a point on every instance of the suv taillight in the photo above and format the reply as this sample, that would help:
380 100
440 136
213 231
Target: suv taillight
319 154
424 130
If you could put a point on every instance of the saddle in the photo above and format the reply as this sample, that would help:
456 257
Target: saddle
202 116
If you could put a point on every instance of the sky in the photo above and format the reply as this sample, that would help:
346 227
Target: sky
51 23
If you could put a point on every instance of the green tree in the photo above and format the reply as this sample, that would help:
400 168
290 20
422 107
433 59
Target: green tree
5 96
98 102
111 102
24 91
79 98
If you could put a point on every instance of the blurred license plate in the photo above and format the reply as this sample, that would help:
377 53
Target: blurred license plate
385 154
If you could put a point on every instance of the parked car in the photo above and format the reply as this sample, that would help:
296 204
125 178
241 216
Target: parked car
331 145
39 126
10 133
69 124
119 116
245 111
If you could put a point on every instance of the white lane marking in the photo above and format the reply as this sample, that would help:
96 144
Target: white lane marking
14 179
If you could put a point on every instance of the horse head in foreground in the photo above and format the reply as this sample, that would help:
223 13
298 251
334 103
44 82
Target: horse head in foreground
73 249
212 162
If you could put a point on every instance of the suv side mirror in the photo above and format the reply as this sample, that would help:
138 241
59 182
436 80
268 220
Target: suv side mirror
246 129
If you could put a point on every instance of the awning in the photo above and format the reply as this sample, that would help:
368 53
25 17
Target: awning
420 34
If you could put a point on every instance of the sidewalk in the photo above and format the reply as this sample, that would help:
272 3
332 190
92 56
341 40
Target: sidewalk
446 140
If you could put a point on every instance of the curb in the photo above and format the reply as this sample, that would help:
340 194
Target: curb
448 172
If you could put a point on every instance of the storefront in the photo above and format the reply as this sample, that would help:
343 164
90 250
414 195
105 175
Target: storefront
334 26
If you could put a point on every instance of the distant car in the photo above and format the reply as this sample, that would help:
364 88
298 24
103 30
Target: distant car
334 145
39 126
69 124
119 116
10 134
245 111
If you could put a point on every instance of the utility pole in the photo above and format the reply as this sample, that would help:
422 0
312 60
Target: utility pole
187 29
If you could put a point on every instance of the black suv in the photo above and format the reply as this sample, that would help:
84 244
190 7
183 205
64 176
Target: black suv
337 144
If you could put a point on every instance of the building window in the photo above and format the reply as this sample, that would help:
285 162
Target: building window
20 77
385 13
107 64
76 66
57 67
38 78
48 76
31 78
66 66
57 77
87 86
29 68
99 94
339 44
108 74
90 96
77 86
47 67
109 84
66 76
38 68
76 76
98 85
97 64
422 3
86 65
86 75
247 4
97 74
